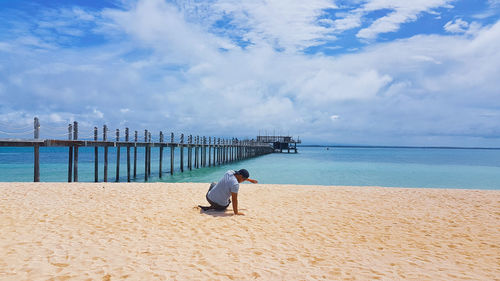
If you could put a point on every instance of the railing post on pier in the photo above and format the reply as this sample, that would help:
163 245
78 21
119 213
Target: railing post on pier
128 153
235 150
204 162
172 148
200 162
36 128
200 152
194 144
190 153
230 149
149 154
196 153
135 154
75 165
161 155
145 155
216 154
105 139
231 144
36 150
96 158
117 155
193 141
242 150
223 151
182 153
226 150
70 153
209 151
218 151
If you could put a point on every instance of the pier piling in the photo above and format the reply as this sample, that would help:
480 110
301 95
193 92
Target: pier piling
128 153
161 155
75 153
172 148
117 156
96 158
181 147
135 154
105 139
146 155
70 154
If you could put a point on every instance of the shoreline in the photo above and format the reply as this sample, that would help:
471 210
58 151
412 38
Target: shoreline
155 231
245 183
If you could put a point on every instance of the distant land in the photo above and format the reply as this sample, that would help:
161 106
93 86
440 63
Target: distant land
391 146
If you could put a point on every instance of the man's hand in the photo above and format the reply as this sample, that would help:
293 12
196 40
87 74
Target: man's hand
239 214
252 181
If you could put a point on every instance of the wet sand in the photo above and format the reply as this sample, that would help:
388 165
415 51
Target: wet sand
154 231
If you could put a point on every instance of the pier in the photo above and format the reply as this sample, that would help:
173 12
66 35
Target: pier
280 143
201 151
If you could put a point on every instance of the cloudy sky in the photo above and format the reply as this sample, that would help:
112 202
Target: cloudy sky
370 72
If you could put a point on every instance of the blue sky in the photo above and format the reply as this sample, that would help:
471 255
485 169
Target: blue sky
374 72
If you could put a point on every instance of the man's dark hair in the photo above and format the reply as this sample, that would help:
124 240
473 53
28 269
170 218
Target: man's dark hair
243 172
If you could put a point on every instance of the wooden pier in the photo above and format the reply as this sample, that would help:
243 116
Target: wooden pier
280 143
201 151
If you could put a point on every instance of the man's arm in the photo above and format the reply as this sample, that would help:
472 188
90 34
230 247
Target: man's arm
234 200
252 181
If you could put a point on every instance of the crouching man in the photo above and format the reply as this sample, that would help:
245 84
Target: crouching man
225 192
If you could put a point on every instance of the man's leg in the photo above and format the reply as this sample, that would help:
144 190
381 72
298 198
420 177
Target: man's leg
213 205
211 186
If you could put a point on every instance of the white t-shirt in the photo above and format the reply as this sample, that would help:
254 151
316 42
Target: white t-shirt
221 192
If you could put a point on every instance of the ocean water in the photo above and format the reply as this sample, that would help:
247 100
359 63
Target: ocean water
389 167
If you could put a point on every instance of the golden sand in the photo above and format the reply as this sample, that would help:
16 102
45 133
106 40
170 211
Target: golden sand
154 231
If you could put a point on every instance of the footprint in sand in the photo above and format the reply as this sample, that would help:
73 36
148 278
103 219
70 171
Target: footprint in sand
60 264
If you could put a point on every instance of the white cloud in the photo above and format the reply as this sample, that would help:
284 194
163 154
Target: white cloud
159 25
282 24
456 26
402 12
494 2
98 114
396 92
349 21
54 117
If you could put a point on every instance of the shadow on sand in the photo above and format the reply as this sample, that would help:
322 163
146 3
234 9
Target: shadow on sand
215 213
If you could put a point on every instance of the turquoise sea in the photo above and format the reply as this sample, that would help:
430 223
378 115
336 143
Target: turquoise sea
389 167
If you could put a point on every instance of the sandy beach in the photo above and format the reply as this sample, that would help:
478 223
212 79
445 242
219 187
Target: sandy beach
154 231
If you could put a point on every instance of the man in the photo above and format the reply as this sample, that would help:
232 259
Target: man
221 194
